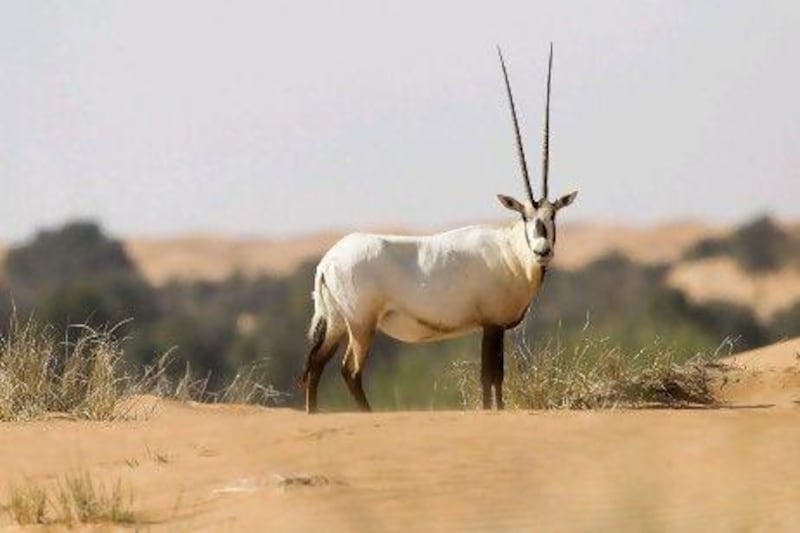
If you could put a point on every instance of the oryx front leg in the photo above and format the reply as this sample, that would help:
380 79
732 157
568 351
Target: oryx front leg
492 365
353 364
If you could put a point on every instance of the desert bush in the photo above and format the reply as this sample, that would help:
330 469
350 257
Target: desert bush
248 386
75 498
786 323
27 503
758 245
592 374
76 274
88 377
76 250
39 373
633 304
81 499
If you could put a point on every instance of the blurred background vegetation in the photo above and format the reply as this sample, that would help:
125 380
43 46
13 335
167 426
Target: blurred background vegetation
78 274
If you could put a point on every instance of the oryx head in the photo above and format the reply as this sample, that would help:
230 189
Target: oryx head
539 216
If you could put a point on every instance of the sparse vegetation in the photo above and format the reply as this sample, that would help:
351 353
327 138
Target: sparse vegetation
592 374
248 386
76 274
89 378
785 323
82 499
28 503
40 374
759 245
74 498
225 330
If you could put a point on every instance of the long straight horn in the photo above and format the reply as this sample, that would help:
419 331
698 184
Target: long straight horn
546 144
521 151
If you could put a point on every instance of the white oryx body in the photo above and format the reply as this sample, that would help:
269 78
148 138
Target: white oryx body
427 288
419 289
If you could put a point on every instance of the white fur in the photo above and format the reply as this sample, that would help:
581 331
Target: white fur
418 289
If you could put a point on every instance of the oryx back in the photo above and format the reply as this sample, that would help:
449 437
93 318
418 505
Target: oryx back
418 289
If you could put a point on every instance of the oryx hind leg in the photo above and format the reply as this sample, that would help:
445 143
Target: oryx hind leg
492 365
317 359
353 363
325 343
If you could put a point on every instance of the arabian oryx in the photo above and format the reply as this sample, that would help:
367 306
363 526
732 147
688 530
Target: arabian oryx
419 289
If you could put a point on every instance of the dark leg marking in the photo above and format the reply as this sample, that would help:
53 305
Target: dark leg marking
492 365
353 380
499 371
353 366
317 338
317 359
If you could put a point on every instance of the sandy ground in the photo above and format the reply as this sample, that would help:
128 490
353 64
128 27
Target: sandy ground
195 467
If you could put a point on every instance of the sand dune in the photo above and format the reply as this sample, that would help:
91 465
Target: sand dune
214 258
217 257
579 244
769 376
722 279
229 468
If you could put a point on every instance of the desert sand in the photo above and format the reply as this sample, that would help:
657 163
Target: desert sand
722 279
200 467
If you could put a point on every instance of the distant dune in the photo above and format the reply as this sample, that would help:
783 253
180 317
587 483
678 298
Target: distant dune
722 279
579 244
209 257
215 257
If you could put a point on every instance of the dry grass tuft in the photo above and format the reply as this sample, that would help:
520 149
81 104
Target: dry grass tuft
82 500
28 504
594 374
248 386
40 374
75 498
85 376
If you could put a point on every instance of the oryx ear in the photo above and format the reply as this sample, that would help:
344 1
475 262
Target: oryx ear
511 203
565 200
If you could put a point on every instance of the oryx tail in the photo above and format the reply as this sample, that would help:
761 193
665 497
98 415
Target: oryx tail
319 322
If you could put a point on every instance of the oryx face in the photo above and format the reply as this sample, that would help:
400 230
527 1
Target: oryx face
539 223
539 216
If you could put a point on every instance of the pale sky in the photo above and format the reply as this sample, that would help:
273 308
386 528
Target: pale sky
279 118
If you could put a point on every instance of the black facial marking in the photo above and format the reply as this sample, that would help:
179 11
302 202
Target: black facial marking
540 229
